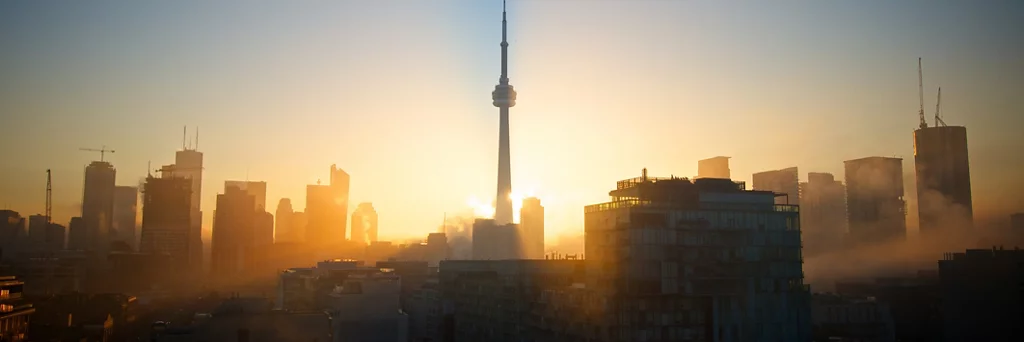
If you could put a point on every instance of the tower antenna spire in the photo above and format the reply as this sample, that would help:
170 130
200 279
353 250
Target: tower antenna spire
197 139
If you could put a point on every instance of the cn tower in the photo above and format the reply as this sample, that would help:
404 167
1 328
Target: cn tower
504 97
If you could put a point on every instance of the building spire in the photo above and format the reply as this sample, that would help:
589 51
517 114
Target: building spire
504 46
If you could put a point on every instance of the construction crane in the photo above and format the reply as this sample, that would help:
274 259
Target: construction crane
920 94
938 117
174 168
49 199
103 151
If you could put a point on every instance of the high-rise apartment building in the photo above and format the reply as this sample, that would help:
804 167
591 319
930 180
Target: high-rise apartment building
822 213
167 220
876 209
531 225
364 224
716 167
98 207
299 223
669 259
943 179
782 182
258 191
283 231
126 199
233 232
339 215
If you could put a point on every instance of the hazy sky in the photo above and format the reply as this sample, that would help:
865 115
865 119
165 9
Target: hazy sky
397 93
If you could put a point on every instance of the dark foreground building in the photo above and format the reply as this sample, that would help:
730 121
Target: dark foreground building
14 311
983 295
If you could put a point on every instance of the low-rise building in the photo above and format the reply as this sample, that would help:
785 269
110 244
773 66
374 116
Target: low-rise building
863 319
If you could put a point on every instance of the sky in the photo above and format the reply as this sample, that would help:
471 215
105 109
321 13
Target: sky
397 93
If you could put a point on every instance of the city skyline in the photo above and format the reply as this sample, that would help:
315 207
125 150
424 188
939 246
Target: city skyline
440 129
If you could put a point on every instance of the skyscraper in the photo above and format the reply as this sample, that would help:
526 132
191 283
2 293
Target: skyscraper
874 196
98 207
364 224
319 208
785 181
76 234
822 213
715 167
263 229
189 165
943 179
126 199
233 232
339 215
531 224
504 97
283 231
258 191
166 220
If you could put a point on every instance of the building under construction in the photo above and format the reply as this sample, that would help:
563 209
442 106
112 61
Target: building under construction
943 173
943 178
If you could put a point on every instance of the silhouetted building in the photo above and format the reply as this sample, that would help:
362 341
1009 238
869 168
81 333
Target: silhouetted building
12 232
319 209
822 213
437 249
49 272
531 225
15 311
45 235
874 200
251 320
364 224
283 230
263 233
914 303
126 199
299 223
839 318
98 206
503 300
188 163
785 181
943 179
338 215
166 220
981 295
1017 223
233 232
492 241
258 191
723 261
716 167
76 233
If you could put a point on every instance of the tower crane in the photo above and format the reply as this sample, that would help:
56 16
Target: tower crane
49 199
173 168
103 151
938 118
920 94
